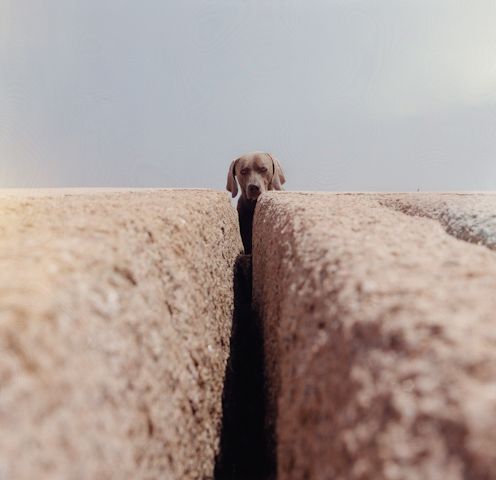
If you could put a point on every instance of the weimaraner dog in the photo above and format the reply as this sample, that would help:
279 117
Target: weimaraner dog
256 173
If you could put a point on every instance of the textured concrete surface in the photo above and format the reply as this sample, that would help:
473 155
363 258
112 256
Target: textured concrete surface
115 317
380 334
469 217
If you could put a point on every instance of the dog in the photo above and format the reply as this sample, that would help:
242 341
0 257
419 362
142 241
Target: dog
256 173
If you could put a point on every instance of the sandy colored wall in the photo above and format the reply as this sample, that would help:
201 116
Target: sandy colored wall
115 317
380 334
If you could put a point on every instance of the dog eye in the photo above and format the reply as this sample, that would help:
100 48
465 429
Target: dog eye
244 171
263 169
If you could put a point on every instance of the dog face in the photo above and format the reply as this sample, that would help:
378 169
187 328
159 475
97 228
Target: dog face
256 172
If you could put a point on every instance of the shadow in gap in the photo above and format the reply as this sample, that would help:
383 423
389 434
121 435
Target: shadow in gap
244 448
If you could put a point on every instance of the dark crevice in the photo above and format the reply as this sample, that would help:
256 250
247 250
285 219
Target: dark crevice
245 447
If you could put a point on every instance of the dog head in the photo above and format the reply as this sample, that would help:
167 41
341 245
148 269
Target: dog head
256 173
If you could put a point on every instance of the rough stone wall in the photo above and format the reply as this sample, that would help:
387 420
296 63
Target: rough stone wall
469 217
115 317
380 334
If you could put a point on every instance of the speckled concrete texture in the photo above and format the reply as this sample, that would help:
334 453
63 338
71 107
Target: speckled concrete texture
380 337
115 317
469 217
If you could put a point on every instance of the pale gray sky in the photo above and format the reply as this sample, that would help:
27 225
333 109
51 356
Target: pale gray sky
349 94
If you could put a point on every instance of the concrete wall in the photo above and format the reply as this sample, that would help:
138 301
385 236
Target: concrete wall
115 318
380 334
378 317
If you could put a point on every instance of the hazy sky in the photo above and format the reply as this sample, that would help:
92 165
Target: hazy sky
349 94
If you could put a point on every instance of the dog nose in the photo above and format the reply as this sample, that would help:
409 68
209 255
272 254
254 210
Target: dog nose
253 188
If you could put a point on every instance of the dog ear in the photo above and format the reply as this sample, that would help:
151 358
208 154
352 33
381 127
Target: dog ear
232 185
278 178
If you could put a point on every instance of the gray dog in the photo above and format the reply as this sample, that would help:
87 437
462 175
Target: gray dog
256 173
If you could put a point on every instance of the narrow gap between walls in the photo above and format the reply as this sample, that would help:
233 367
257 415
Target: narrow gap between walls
246 450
